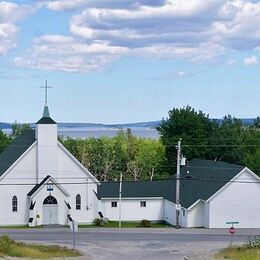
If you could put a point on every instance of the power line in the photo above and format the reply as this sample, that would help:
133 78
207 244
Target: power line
157 167
117 182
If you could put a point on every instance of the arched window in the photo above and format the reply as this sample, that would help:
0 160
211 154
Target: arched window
14 204
50 201
78 202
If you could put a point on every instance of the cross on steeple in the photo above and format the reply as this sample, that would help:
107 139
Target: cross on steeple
46 87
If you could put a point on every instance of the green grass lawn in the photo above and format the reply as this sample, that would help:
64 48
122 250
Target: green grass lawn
127 224
110 224
11 248
19 227
239 253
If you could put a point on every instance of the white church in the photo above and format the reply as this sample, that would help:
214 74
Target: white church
41 183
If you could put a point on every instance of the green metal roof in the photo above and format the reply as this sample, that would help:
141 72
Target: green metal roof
138 189
46 119
46 112
203 178
16 149
200 180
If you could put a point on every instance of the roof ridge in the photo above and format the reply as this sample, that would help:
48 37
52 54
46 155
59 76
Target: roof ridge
214 162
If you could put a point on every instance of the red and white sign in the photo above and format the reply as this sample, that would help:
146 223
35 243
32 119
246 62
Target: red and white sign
232 230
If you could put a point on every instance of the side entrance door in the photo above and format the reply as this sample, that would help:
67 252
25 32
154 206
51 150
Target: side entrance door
50 211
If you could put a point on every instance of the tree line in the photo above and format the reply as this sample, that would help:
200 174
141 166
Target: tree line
136 158
226 140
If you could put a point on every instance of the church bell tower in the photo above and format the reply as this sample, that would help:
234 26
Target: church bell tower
46 136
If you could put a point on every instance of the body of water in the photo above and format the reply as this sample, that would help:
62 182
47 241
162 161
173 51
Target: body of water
96 132
85 133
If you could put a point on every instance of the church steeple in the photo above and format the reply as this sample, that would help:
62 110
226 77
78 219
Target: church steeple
46 112
46 136
46 119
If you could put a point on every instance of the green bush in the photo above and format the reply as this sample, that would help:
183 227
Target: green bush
145 223
252 243
98 222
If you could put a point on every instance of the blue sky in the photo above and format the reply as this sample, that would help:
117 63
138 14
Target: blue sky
117 61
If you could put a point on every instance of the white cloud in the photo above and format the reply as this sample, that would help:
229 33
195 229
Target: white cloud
104 30
63 53
61 5
231 62
10 13
7 37
251 61
171 76
169 23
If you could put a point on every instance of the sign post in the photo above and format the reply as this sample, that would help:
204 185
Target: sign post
74 228
232 230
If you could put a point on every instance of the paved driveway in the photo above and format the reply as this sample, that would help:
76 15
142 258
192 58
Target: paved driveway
165 243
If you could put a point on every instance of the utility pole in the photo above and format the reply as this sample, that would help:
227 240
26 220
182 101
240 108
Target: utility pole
178 206
120 200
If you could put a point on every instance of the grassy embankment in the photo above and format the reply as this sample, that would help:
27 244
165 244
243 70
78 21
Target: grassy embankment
248 251
11 248
238 253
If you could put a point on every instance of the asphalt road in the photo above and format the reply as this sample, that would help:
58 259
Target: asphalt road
165 243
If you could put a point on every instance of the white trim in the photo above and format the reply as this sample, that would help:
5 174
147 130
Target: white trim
195 203
59 186
230 182
55 183
252 173
86 171
18 160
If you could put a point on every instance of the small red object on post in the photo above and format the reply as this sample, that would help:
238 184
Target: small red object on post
232 230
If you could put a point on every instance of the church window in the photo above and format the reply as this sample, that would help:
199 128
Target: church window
114 204
78 202
50 201
14 204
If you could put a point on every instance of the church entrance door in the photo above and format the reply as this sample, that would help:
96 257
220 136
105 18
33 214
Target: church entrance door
50 211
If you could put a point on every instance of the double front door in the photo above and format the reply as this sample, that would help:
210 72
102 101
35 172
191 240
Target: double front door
50 211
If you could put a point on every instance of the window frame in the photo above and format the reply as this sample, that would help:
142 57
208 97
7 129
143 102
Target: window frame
143 203
50 200
78 202
113 204
14 204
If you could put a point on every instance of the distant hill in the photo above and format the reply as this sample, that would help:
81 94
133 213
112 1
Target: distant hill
150 125
245 121
5 125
